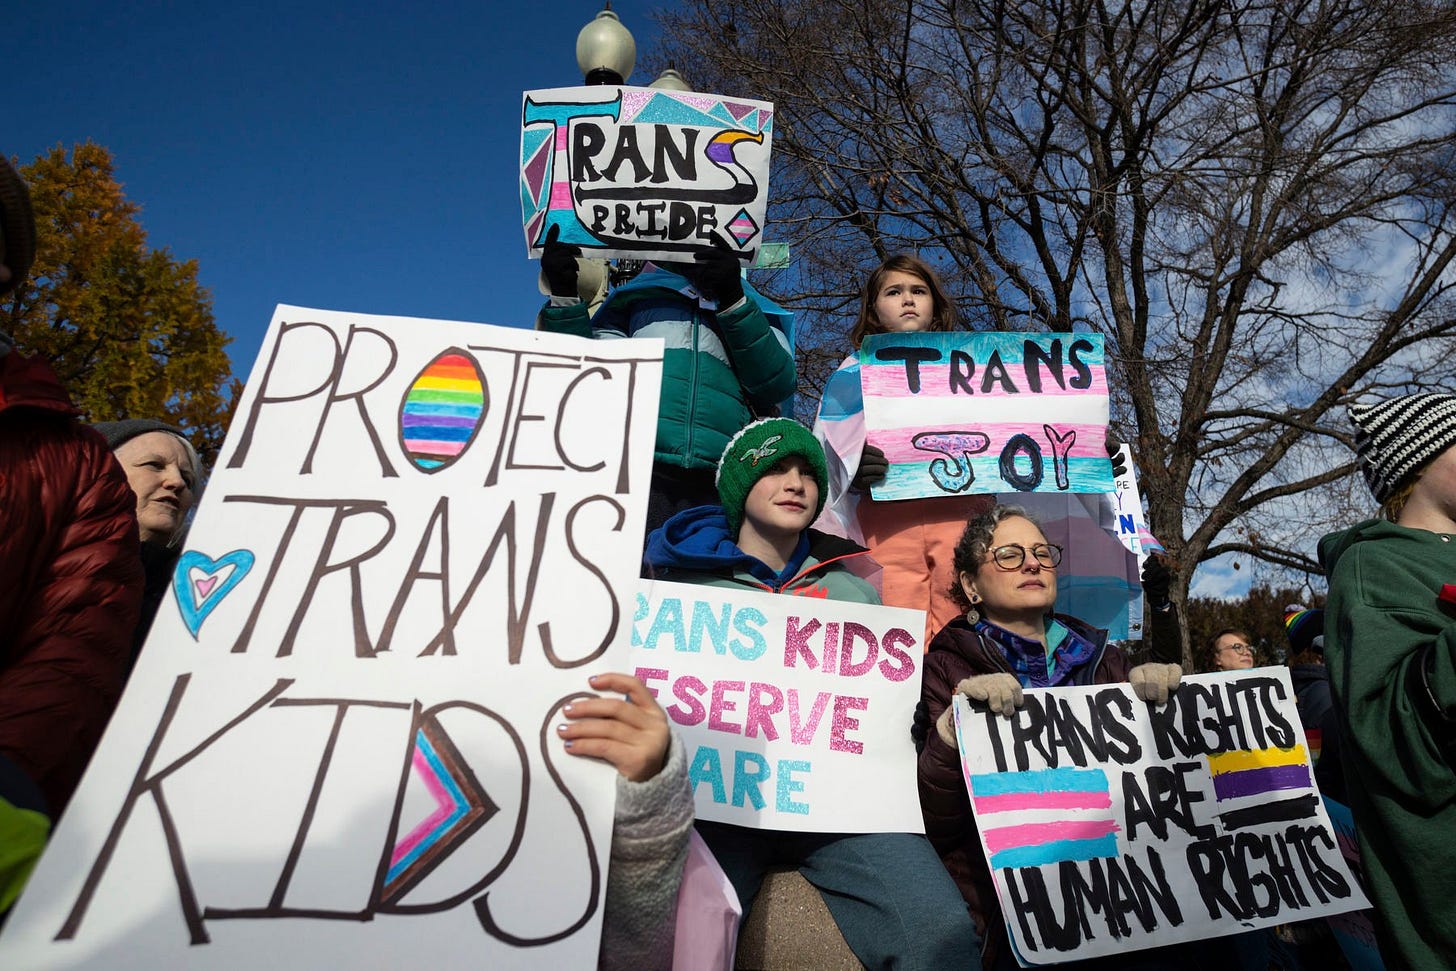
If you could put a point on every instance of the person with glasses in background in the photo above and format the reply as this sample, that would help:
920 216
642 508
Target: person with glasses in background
1228 650
1007 640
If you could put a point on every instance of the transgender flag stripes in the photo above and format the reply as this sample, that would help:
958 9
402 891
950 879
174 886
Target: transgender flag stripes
1050 815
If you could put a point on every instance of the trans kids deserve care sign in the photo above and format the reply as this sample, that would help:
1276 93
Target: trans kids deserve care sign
795 711
644 173
1111 824
987 412
419 540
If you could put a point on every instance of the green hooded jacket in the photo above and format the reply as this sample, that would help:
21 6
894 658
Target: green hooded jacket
1391 653
719 370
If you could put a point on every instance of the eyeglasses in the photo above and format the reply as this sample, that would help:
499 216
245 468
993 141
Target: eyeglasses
1238 649
1012 556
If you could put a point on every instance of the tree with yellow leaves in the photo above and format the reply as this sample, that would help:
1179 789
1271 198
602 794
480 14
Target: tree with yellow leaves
128 328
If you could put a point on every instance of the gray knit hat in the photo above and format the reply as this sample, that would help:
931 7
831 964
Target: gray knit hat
755 450
1397 437
118 432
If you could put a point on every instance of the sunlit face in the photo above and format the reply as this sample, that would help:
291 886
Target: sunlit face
904 303
1232 653
783 500
160 473
1029 589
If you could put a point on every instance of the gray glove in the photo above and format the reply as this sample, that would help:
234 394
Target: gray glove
1154 682
1000 691
945 726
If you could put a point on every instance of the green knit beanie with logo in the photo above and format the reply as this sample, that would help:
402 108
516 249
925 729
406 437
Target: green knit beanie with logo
756 449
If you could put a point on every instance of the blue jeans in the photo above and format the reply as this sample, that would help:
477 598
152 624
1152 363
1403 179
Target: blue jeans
888 892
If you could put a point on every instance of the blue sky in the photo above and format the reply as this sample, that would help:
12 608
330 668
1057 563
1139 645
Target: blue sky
358 157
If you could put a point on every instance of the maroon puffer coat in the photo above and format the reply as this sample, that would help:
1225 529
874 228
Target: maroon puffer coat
956 653
70 580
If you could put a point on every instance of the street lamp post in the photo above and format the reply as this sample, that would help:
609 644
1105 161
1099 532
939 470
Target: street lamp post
605 50
606 53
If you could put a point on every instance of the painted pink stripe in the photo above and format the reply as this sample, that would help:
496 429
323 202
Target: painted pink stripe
561 195
889 380
431 447
897 448
441 813
562 139
1035 834
1024 801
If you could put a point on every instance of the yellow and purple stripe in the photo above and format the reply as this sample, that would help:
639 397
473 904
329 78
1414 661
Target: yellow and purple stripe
442 410
1250 772
1247 777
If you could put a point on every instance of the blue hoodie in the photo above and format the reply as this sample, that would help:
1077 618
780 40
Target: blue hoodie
695 546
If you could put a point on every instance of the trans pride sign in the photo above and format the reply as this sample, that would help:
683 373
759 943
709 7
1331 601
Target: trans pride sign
1112 825
643 173
987 412
337 748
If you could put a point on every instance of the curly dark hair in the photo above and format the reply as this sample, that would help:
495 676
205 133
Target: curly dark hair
975 543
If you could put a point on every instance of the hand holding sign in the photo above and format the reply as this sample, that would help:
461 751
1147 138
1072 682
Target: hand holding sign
558 264
1157 579
872 468
1154 682
632 735
719 275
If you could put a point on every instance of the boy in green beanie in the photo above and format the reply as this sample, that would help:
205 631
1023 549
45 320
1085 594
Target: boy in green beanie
888 892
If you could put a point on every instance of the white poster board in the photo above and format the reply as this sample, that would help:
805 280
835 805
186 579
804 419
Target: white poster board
419 541
795 710
644 173
1111 824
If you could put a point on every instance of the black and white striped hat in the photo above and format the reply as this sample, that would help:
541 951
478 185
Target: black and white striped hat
1398 436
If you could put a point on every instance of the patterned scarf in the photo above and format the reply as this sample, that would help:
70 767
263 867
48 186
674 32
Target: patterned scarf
1035 666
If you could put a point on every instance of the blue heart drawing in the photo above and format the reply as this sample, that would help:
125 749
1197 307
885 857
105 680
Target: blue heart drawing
200 583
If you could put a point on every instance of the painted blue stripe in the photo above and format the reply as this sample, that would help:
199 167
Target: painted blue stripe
461 807
1057 852
440 433
907 480
1039 780
439 408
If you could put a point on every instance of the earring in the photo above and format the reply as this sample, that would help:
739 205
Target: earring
972 614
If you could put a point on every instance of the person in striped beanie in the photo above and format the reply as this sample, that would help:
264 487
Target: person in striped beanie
1390 647
1395 439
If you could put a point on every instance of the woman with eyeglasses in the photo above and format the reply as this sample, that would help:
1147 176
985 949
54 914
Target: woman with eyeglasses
1007 640
1228 650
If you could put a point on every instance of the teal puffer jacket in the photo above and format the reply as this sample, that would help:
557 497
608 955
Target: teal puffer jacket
718 370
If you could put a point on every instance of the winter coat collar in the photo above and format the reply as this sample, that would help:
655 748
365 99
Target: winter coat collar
985 647
697 540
